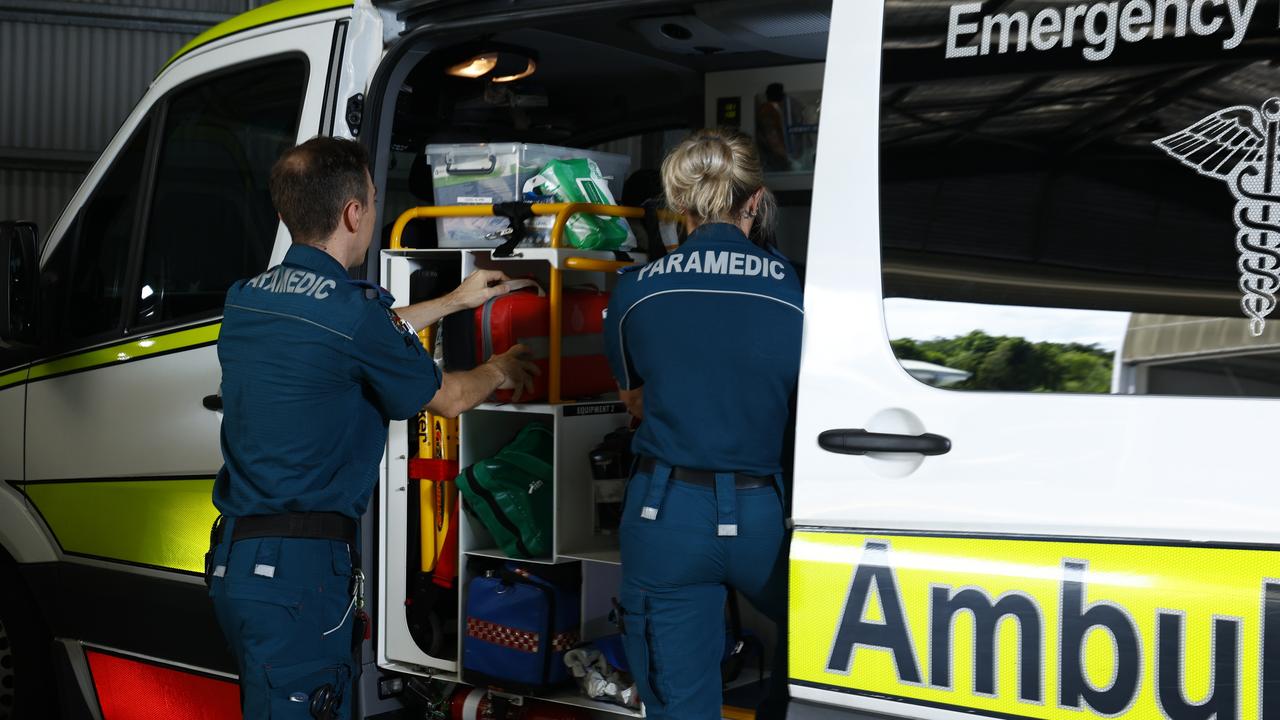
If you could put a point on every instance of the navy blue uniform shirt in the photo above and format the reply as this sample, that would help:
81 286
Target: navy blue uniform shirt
314 365
712 332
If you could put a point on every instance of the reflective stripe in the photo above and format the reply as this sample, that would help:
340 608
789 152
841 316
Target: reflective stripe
12 378
125 351
265 15
570 346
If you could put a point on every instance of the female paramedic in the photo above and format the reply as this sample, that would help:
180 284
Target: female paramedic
705 345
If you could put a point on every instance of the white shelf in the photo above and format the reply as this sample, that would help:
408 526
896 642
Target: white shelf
604 406
570 697
608 557
498 554
538 408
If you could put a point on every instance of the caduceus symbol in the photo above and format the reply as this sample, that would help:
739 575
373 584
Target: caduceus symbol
1238 145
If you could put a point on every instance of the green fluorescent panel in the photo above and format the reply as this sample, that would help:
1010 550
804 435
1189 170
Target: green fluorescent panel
164 523
13 378
131 350
269 13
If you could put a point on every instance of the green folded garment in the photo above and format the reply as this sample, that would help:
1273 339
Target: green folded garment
510 493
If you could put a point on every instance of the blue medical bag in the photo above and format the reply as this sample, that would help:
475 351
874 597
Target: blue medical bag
520 625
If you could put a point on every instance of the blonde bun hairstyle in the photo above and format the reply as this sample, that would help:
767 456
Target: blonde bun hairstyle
712 174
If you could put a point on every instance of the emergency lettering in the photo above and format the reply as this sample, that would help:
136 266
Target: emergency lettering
716 262
1096 27
283 279
1039 629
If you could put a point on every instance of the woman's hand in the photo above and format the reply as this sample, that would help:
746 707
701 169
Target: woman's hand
634 400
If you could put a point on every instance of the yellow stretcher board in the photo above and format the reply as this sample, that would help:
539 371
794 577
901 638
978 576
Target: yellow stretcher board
1038 628
437 501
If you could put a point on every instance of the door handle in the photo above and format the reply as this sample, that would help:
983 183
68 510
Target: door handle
860 442
212 402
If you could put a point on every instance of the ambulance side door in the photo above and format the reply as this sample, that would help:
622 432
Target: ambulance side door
123 411
1039 378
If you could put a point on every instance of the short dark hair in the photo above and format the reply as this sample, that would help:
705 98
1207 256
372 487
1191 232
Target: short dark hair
775 93
311 183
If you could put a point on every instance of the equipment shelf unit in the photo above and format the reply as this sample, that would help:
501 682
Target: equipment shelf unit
577 428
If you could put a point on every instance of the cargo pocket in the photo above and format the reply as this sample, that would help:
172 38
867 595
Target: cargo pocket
297 690
637 639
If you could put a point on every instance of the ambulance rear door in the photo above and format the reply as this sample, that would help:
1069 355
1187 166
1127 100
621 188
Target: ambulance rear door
1013 203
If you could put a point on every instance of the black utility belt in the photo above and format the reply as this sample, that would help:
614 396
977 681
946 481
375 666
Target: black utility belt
308 525
741 481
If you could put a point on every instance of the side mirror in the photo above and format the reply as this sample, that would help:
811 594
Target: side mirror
18 282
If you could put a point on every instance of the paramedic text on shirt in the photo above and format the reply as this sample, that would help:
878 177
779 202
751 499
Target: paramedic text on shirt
705 345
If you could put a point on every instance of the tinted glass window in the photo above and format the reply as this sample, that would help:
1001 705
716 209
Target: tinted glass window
107 223
1075 199
55 288
211 219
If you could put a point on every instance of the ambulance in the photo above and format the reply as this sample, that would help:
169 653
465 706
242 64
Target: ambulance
1012 545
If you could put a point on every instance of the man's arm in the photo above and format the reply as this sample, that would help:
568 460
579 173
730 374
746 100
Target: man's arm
461 391
478 288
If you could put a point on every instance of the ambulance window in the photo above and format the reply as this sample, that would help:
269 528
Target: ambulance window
1077 199
211 220
100 249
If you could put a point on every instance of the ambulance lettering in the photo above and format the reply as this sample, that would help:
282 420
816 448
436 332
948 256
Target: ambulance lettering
1107 643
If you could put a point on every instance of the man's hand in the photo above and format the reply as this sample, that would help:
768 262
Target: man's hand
517 371
461 391
472 293
479 287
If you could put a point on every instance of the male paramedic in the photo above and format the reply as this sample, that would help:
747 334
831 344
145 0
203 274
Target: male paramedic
314 365
705 344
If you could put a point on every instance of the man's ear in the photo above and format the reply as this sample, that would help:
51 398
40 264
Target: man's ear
351 215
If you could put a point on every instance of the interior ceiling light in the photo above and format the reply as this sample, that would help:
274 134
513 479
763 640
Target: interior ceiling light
529 68
474 67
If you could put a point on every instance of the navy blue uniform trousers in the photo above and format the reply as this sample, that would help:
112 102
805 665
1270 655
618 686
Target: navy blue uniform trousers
675 569
283 606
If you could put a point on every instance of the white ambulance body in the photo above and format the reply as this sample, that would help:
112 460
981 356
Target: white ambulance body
1000 548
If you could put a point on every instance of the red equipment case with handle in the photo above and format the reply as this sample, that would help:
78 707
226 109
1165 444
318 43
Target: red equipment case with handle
524 317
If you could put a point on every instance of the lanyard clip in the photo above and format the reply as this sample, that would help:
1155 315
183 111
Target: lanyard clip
357 593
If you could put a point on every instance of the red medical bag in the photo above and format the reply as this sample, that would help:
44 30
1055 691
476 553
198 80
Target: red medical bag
524 317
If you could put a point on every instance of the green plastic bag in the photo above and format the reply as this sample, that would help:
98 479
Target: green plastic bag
510 493
574 181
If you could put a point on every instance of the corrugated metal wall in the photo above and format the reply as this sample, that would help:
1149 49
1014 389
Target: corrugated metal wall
69 78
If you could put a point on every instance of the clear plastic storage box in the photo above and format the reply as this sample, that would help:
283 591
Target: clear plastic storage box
487 173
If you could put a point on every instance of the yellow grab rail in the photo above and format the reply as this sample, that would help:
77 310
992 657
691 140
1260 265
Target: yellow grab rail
415 213
562 213
594 265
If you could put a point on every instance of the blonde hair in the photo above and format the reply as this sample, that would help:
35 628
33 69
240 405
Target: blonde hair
711 175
